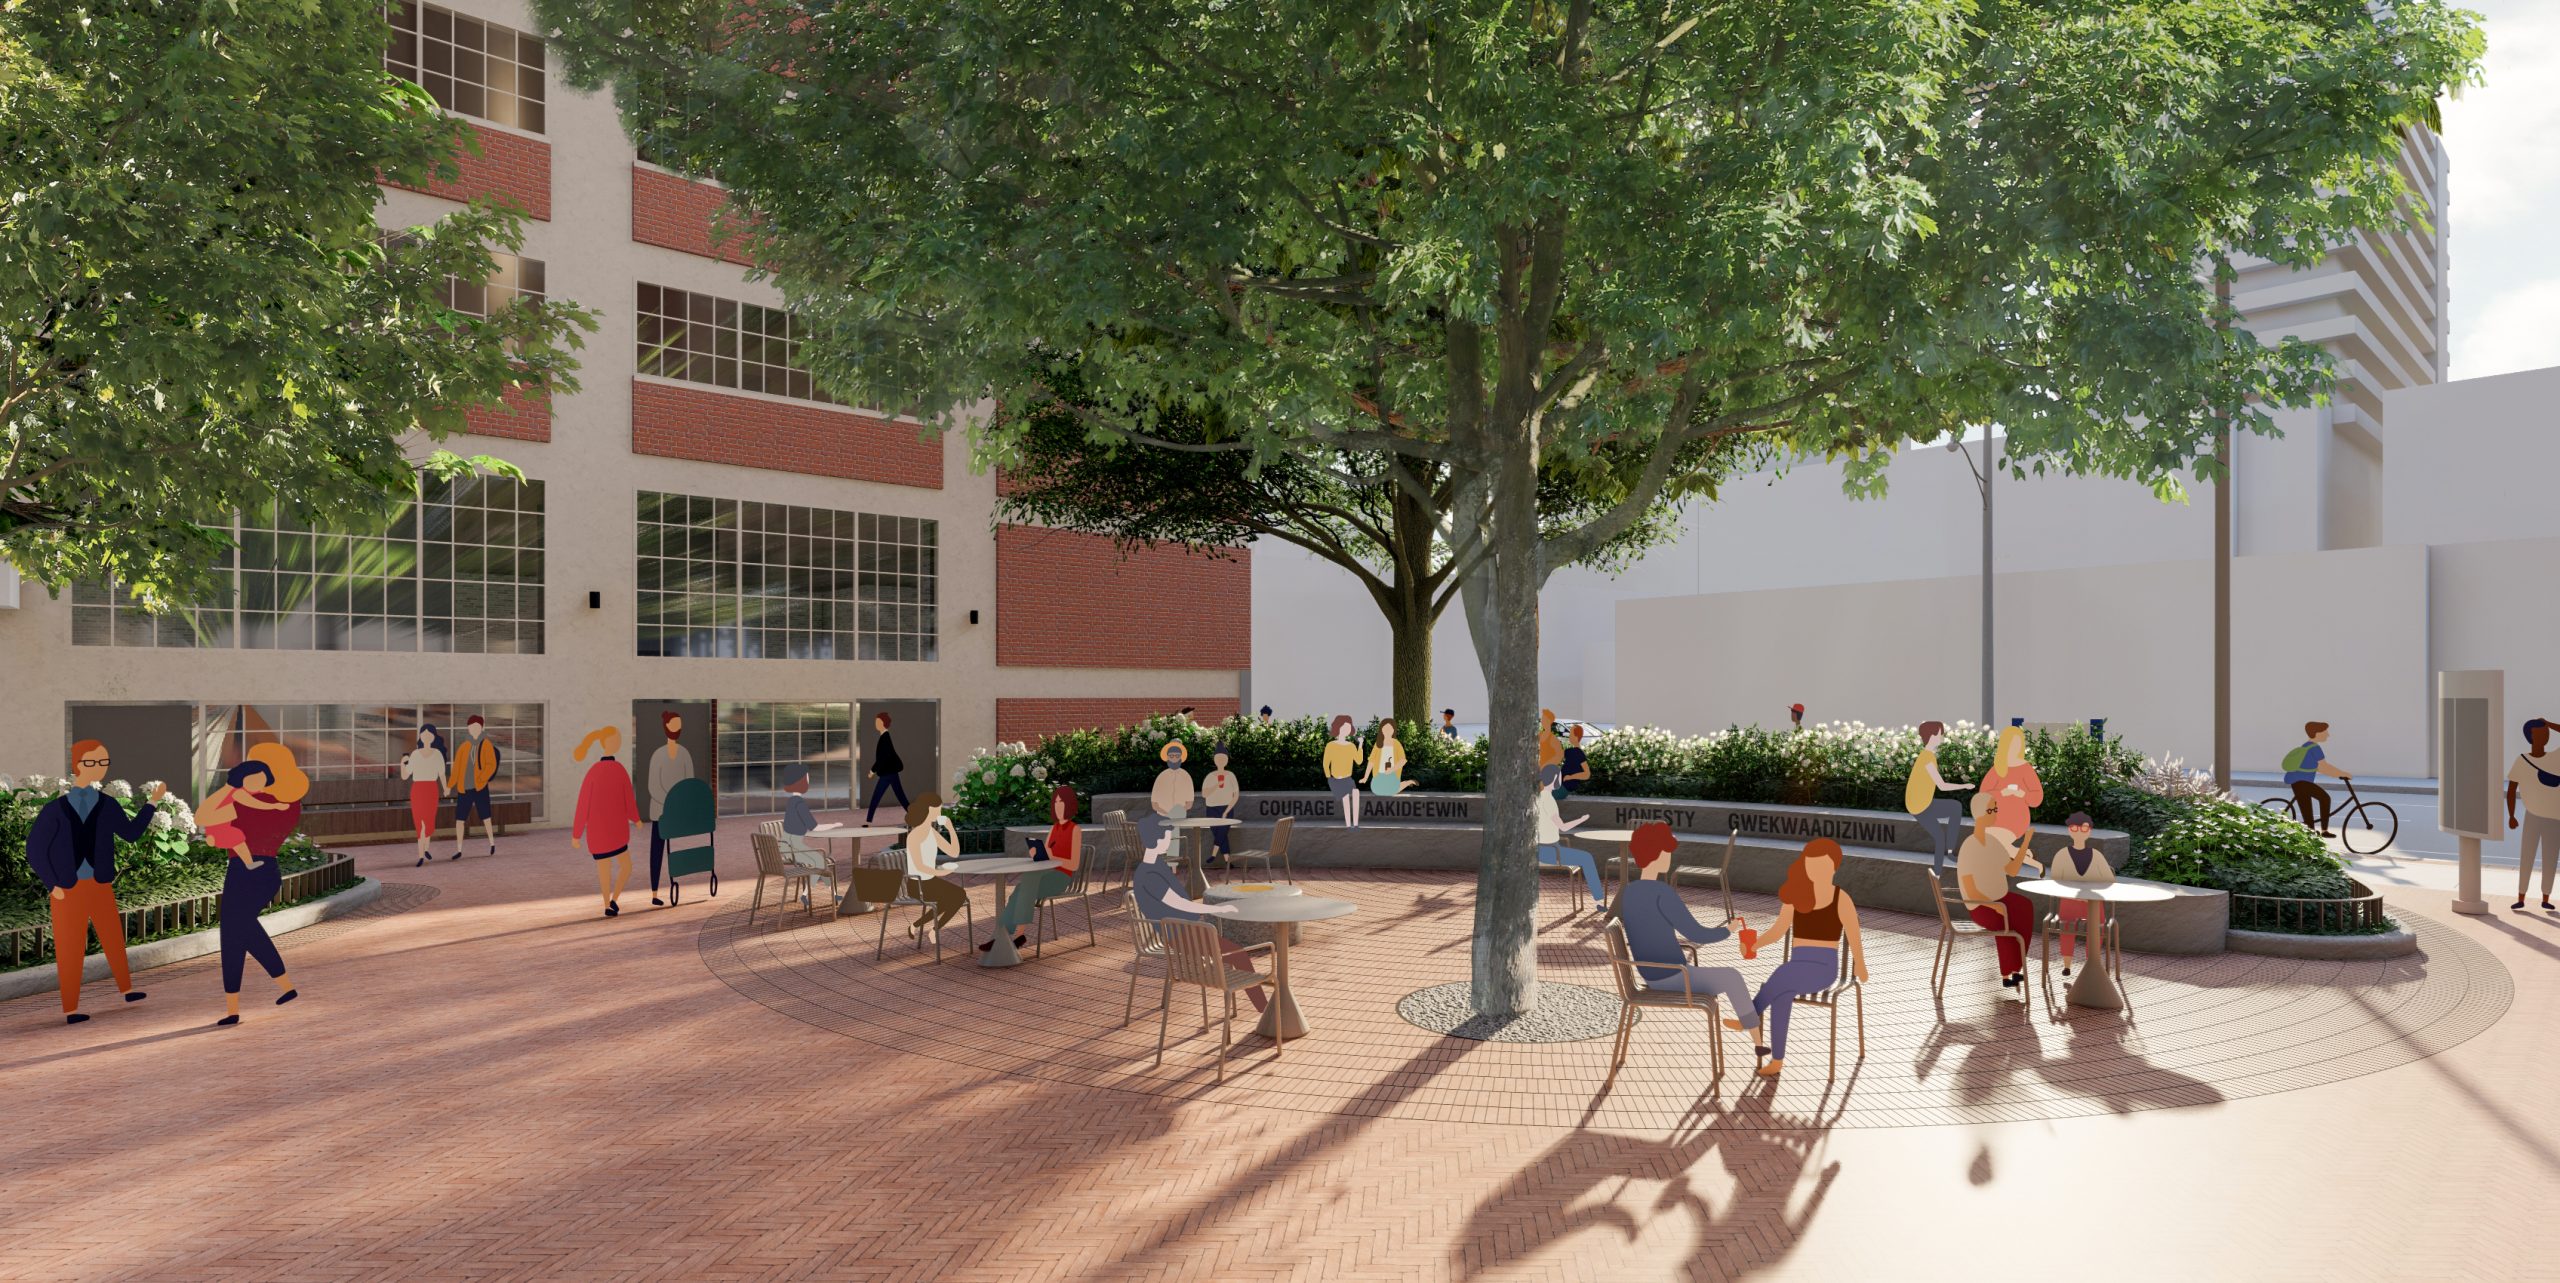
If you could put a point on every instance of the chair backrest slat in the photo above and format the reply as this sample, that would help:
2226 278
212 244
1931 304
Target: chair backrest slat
1192 950
768 849
1280 834
1622 962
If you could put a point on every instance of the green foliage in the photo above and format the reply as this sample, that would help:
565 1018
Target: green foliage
1843 764
1011 784
2245 849
170 861
199 312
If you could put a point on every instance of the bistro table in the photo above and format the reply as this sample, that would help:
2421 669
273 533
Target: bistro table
2095 988
834 833
997 867
1614 864
1196 863
1282 1020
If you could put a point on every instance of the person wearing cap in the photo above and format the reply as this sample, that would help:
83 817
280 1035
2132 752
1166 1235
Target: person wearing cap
1795 717
2534 782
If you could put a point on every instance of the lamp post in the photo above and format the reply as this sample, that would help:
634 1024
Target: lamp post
1982 473
2222 548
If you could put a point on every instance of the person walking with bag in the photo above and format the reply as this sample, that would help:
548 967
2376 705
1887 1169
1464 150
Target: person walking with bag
252 882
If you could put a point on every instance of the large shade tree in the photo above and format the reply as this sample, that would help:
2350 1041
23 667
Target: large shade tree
199 312
1480 236
1343 506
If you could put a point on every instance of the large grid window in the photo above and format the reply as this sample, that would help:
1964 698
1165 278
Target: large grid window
468 66
738 578
460 569
352 751
759 742
705 339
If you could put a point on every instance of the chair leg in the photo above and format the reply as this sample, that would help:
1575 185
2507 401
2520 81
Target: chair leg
1091 940
1833 1070
1226 1027
1129 1009
1164 1017
887 911
757 902
1862 1021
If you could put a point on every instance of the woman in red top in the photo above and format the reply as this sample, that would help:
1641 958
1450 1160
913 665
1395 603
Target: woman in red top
606 812
1065 847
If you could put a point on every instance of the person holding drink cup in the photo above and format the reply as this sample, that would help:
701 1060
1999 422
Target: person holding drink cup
1656 920
1823 919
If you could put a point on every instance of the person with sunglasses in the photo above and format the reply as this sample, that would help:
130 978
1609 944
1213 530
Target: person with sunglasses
72 847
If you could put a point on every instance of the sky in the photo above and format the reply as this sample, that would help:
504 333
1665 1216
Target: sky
2503 138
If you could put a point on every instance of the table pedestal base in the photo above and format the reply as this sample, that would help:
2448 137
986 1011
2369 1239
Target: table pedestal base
1282 1021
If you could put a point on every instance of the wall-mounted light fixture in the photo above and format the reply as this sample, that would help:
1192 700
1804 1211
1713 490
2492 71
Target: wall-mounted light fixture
973 616
595 601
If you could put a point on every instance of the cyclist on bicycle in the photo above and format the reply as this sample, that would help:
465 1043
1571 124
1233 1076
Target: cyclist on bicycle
2303 768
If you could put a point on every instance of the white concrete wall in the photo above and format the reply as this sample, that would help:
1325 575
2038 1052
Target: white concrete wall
2474 461
2132 644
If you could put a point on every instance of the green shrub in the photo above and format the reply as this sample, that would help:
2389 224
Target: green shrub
2244 849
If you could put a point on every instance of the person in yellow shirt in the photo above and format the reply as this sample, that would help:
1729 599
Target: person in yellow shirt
1386 763
1550 748
1342 770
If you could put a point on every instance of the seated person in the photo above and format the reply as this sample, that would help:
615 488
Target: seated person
1062 848
1823 920
2303 768
798 819
2083 864
1984 865
1577 764
1551 830
1656 920
1160 897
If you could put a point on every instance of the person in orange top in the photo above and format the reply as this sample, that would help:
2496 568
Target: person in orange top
606 811
2012 785
475 768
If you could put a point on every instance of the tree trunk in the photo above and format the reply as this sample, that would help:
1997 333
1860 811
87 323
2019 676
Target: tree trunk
1410 627
1506 945
1410 617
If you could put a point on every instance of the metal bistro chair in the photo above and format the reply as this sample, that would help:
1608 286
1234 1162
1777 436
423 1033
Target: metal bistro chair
911 895
1120 838
1080 889
1196 955
790 857
1634 999
1845 983
1954 926
1146 943
771 865
1278 850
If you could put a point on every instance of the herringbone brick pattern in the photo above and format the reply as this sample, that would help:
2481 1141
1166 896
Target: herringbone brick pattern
497 1084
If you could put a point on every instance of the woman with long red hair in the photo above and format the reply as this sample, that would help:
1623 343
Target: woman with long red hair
1063 848
1823 918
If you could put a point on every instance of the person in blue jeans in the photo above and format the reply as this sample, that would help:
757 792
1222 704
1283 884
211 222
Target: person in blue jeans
1552 827
1823 918
1656 920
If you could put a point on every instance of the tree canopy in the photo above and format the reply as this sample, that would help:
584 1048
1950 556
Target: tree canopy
1486 234
199 311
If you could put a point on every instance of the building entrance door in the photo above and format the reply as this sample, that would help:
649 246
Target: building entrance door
915 731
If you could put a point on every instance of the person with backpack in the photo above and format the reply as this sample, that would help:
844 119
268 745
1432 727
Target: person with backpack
2303 768
475 770
2533 781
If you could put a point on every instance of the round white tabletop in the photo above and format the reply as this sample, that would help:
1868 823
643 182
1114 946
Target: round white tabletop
1206 822
840 831
2109 892
1249 890
1290 908
995 866
1600 835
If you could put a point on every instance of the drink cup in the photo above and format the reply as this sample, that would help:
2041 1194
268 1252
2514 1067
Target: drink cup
1750 943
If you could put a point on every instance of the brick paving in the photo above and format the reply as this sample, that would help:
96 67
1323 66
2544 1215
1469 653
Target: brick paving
495 1083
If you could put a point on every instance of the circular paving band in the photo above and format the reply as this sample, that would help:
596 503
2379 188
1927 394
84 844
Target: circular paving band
2199 1029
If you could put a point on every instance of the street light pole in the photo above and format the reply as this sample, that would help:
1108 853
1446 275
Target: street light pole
2222 549
1986 576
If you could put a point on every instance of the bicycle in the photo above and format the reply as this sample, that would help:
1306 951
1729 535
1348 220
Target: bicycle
2371 818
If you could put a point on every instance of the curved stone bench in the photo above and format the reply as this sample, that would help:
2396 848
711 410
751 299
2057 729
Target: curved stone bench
1444 832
